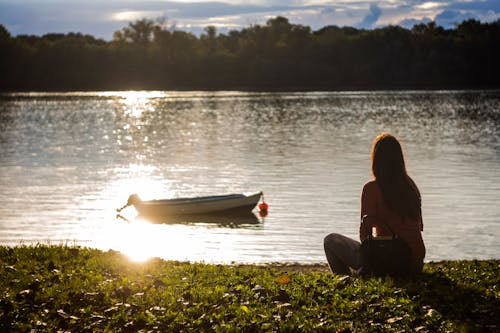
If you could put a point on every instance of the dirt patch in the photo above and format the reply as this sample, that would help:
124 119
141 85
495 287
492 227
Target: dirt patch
291 267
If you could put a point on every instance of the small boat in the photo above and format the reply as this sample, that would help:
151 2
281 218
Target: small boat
234 204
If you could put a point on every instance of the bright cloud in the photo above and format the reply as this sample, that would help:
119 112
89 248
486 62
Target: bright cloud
430 5
128 16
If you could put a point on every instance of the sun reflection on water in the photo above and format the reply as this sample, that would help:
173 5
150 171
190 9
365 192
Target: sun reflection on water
141 240
134 103
133 94
135 240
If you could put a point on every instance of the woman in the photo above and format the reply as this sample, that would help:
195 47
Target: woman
391 199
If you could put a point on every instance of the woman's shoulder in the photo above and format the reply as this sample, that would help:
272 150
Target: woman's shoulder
371 186
371 189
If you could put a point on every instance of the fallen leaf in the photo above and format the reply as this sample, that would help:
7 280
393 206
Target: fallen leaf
62 313
284 279
393 320
343 277
431 313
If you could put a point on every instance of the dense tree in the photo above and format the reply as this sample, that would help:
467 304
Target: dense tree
149 54
139 32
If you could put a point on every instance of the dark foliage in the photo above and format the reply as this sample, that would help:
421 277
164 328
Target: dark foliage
274 56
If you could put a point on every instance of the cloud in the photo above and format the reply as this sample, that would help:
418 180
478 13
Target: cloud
371 18
327 10
475 5
430 5
409 23
450 18
457 11
132 15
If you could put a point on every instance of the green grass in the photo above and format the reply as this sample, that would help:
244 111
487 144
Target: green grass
50 288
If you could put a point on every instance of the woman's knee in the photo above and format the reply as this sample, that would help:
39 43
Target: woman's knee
331 239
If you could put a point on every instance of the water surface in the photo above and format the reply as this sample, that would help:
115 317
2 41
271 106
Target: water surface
68 160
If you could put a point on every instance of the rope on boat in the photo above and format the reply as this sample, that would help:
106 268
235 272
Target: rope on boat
118 216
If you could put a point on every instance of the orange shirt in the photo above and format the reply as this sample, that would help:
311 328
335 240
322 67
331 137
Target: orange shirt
373 205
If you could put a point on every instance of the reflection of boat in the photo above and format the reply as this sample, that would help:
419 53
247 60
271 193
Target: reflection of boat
231 204
227 220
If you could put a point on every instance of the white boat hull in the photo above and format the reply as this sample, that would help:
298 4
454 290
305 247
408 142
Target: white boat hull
223 204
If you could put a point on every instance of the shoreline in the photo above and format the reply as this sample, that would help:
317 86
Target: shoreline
290 266
256 90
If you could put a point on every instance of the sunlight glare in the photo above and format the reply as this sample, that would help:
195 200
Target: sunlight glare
141 240
134 102
143 180
136 241
135 178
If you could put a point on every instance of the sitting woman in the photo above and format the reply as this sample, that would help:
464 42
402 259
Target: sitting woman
390 202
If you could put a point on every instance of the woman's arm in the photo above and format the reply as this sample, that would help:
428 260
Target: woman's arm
366 226
368 210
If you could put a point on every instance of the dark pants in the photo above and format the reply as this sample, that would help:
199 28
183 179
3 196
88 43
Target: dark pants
342 253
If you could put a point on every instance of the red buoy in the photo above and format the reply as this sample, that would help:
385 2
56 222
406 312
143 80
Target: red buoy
263 207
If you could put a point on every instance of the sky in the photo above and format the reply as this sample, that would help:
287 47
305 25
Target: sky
102 18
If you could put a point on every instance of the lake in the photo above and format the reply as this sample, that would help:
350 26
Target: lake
68 160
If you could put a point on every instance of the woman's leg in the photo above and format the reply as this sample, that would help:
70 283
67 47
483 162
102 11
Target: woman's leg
342 253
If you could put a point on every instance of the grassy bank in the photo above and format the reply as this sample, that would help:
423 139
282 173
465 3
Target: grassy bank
49 288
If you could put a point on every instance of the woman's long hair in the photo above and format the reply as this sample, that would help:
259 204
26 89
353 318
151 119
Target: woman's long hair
400 192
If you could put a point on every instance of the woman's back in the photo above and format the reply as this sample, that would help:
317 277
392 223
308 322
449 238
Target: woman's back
374 206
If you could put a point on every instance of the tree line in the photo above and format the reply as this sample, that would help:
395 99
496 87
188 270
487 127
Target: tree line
278 55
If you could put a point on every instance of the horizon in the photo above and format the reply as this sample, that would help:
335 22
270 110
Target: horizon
101 19
226 31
